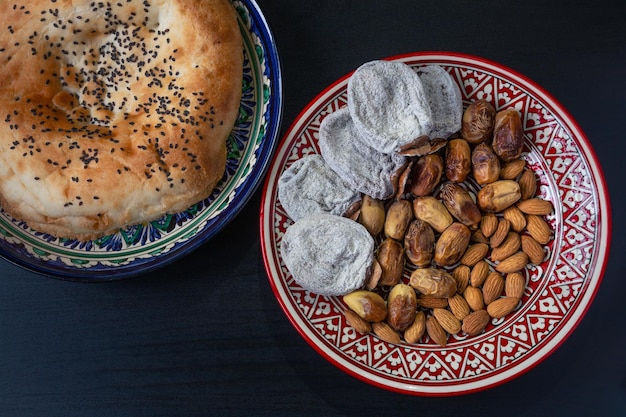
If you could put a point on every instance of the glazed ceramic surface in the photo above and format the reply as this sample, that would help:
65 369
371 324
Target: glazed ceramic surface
149 245
558 291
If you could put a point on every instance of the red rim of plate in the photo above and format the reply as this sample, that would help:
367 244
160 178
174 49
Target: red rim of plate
594 280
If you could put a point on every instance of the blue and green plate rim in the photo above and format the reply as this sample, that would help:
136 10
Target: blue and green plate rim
101 265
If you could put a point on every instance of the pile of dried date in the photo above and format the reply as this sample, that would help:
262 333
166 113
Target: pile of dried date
455 240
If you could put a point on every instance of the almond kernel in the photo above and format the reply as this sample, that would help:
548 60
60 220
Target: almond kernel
514 285
535 206
502 307
474 323
493 287
513 263
533 249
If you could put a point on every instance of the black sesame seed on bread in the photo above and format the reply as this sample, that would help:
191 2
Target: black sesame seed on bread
113 113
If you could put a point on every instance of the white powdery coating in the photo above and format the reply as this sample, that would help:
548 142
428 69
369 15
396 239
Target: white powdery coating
310 186
388 105
444 99
365 169
327 254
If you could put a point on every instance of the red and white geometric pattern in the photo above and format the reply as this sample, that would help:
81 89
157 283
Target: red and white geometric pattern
558 291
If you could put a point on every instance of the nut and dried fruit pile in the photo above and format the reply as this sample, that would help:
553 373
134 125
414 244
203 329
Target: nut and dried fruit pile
454 242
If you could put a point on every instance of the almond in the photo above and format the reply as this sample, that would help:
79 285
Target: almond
447 320
458 306
435 331
512 169
513 263
415 331
479 273
426 301
386 332
533 249
500 234
461 275
478 237
514 285
516 217
493 287
474 323
535 206
474 253
474 298
527 184
511 244
538 229
489 224
502 307
360 325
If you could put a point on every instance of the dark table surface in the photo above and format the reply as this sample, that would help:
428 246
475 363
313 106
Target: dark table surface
206 336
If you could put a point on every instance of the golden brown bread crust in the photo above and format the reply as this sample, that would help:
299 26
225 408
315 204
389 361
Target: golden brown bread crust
114 113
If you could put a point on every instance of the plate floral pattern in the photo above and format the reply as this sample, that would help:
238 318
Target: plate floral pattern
558 291
149 245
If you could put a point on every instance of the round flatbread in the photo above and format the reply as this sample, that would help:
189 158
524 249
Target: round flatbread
444 99
328 255
365 169
114 113
309 187
388 105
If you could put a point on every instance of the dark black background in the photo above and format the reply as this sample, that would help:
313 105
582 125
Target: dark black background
205 335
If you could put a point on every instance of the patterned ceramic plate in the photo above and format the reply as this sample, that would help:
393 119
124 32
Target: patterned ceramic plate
558 291
147 246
